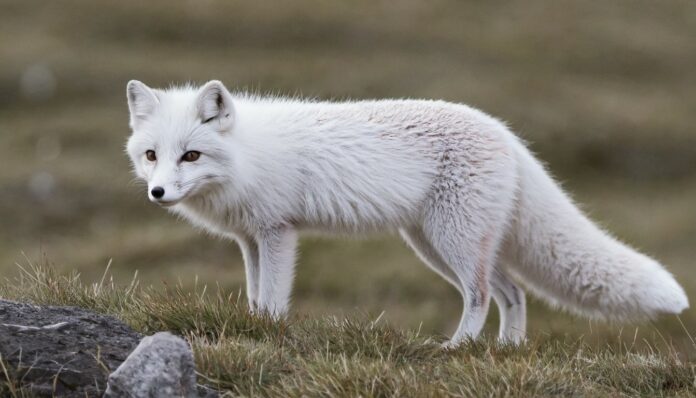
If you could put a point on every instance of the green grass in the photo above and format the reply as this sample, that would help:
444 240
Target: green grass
248 355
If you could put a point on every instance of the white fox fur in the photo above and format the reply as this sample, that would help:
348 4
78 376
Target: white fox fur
462 190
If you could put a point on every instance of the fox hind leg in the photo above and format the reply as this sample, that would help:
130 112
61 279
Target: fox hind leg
507 295
465 225
511 303
475 307
417 240
470 259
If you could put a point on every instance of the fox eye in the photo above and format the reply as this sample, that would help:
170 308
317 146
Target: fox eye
150 155
191 156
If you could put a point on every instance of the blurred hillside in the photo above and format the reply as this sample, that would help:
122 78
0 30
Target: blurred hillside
603 91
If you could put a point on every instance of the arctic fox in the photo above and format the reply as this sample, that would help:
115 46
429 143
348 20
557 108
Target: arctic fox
463 191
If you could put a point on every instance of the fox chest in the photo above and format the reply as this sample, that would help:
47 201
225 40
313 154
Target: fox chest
219 220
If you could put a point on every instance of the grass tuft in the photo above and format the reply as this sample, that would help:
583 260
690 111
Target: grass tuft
248 355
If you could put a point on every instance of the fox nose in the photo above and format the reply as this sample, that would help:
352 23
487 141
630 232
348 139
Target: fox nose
157 192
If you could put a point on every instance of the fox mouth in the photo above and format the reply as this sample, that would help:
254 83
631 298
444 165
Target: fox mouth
165 203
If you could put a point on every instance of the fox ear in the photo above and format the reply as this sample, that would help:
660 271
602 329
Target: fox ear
141 101
214 105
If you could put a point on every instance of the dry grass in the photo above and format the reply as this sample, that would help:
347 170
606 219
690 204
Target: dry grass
246 355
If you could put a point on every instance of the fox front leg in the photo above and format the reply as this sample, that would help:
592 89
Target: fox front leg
250 254
276 248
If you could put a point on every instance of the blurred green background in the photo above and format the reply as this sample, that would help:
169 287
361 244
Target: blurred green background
603 91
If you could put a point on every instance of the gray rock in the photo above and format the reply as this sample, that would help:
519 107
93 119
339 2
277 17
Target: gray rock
62 351
69 352
160 367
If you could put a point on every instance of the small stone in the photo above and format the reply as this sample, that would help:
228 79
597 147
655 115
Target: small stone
160 367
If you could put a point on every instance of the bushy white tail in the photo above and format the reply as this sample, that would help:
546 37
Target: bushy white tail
568 261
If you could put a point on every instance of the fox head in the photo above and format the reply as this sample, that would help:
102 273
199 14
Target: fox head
178 144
